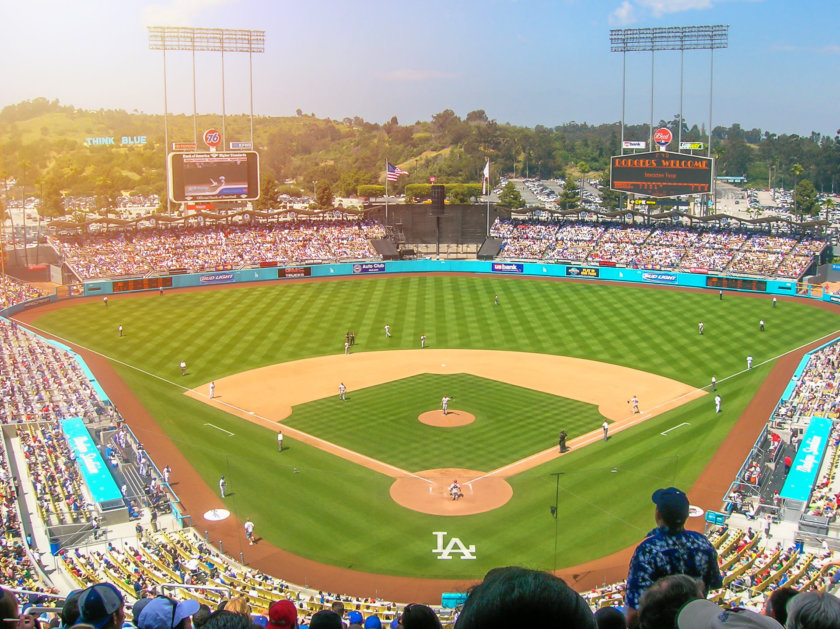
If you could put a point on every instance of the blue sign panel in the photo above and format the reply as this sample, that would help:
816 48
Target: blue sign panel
369 267
800 480
96 475
508 267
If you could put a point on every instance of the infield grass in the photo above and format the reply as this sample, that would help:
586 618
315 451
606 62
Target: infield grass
332 511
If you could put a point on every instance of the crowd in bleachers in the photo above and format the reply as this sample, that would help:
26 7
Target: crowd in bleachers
817 392
13 291
110 254
52 471
39 382
675 247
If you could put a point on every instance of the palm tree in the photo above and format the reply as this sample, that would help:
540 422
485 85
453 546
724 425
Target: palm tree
795 170
23 165
6 213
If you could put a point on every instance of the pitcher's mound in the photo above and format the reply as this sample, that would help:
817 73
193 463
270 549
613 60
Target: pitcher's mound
428 492
450 420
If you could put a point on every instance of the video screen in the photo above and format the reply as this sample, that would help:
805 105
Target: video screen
214 176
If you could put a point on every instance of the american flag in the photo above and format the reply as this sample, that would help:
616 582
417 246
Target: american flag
392 173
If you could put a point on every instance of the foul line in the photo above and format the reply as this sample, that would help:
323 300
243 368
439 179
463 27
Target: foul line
674 428
230 434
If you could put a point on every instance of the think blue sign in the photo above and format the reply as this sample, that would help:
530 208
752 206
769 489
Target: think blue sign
94 471
126 140
806 465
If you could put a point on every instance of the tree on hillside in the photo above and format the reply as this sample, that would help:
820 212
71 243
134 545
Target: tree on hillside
610 199
7 215
107 193
796 170
324 195
569 196
268 193
52 201
805 198
350 181
511 197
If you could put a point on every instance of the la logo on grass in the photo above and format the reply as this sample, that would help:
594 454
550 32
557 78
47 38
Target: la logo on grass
455 546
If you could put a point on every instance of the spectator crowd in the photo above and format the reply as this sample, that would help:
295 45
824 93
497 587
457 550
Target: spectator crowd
669 247
138 252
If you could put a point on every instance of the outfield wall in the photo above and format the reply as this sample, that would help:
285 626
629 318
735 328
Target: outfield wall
483 267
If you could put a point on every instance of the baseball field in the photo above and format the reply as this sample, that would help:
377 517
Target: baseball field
360 485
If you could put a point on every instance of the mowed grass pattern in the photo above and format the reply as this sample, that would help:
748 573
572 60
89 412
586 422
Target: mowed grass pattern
511 422
330 510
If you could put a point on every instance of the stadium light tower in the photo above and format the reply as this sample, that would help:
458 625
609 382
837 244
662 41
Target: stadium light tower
680 38
194 40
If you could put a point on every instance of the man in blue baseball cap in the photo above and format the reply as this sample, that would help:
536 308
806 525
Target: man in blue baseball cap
102 606
167 613
670 549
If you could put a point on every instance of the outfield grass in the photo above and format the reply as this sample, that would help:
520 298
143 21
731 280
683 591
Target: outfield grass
330 510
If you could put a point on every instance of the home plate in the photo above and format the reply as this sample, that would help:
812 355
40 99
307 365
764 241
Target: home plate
443 365
214 515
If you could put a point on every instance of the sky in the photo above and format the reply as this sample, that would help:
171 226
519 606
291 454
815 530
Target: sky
524 62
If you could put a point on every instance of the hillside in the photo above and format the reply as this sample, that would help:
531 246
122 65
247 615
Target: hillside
44 144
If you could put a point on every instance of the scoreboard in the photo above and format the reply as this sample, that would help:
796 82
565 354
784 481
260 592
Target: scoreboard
736 283
143 283
661 174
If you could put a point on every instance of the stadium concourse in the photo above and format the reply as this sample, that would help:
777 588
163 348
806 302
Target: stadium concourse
46 506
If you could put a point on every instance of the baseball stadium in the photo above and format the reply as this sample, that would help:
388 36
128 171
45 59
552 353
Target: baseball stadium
277 406
357 502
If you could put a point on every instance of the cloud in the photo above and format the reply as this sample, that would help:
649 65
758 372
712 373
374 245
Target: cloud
829 49
409 75
662 7
178 12
623 15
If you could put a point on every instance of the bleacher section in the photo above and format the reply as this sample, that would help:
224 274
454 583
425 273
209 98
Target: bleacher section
671 247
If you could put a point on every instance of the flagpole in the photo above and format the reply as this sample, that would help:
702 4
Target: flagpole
488 199
386 192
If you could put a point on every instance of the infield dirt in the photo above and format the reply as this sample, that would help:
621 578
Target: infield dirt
266 396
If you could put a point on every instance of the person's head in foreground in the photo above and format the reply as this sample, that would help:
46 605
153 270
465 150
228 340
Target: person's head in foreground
813 610
167 613
703 614
663 600
102 607
526 598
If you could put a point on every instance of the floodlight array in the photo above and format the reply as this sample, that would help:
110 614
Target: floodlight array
669 38
205 39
